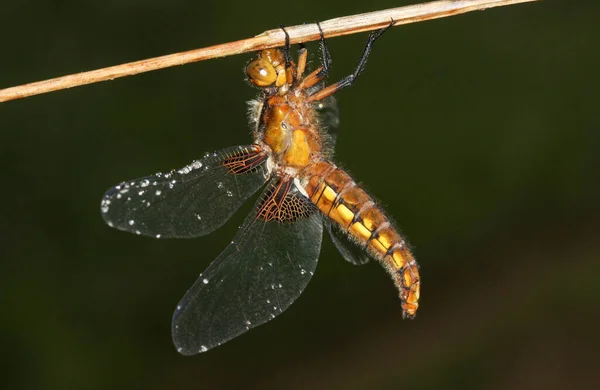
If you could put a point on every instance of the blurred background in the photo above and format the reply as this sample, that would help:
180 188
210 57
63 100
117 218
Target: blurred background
479 134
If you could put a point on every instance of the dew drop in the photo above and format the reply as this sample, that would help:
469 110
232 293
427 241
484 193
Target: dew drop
158 236
203 348
131 222
158 192
205 281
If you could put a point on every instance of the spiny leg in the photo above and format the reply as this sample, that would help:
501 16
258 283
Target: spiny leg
322 71
350 79
289 75
326 57
286 48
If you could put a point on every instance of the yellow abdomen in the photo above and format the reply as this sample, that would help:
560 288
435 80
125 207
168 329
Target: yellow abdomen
335 193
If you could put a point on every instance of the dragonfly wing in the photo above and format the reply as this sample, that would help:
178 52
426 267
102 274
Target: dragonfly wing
350 250
328 117
190 202
328 114
264 269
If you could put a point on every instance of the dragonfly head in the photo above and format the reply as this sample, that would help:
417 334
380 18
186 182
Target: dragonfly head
268 70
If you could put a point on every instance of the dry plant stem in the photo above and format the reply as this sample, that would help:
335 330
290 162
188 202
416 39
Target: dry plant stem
273 38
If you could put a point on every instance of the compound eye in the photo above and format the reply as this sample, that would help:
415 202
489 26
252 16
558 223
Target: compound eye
261 73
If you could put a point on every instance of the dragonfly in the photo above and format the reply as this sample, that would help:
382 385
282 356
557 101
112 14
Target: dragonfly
274 254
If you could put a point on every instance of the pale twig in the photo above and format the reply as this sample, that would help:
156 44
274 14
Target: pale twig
273 38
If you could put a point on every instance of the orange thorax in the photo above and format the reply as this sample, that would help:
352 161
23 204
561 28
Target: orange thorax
289 130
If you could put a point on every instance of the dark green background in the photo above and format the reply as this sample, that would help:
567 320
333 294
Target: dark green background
479 133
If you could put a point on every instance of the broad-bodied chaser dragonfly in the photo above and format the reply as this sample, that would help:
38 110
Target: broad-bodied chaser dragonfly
274 254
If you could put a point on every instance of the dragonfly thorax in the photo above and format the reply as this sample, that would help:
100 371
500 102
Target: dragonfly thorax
288 129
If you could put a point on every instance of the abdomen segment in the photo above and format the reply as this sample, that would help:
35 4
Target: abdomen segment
335 193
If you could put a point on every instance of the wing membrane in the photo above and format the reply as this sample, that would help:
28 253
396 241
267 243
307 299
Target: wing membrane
264 269
190 202
350 250
328 117
328 114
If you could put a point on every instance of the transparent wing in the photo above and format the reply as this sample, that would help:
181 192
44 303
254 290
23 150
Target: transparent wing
350 250
190 202
328 116
328 112
264 269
